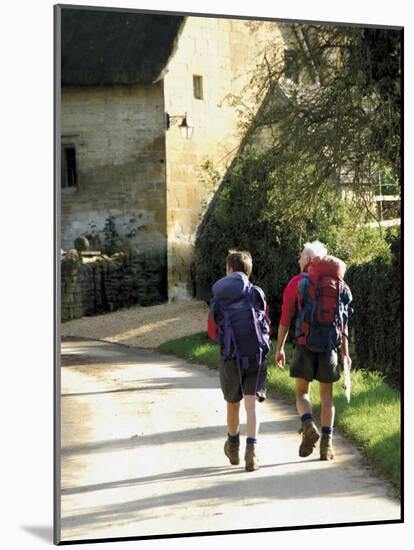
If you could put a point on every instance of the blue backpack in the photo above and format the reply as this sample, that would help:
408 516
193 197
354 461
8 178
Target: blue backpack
239 311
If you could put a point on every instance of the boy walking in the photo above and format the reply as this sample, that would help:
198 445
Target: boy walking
319 299
239 312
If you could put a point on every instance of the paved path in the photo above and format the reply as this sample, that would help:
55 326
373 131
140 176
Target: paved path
142 327
142 439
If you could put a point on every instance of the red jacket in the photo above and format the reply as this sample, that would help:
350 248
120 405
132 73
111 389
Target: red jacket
290 304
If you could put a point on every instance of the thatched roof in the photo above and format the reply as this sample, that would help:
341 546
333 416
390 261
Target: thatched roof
108 47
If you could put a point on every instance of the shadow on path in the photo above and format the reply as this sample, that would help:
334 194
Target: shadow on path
255 490
189 473
278 427
121 390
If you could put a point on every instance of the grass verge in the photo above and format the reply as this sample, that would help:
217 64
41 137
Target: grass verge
371 420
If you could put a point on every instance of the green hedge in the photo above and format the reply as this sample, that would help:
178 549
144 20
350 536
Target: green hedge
258 209
376 323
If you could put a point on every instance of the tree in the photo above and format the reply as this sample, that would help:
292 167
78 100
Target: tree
335 118
331 107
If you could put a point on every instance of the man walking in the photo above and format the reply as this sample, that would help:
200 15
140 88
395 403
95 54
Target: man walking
319 300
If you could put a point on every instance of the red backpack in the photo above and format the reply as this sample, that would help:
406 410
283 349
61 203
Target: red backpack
324 308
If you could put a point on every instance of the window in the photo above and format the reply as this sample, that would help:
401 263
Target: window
291 66
69 172
198 87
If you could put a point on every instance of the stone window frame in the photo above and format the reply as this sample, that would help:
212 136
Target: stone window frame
198 86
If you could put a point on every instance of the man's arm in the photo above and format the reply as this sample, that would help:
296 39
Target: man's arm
346 359
282 333
288 312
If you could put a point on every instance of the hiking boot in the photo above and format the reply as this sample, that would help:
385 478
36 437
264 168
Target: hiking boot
326 450
231 450
310 435
251 458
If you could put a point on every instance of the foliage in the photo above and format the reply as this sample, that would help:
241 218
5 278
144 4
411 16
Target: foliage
317 150
376 324
251 212
258 209
340 110
112 242
372 419
196 348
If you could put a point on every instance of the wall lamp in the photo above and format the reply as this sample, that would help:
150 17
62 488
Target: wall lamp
184 123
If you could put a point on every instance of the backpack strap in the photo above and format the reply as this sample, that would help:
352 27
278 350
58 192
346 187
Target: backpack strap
259 333
225 335
314 314
228 334
229 343
238 361
347 310
339 315
259 362
339 309
302 302
263 344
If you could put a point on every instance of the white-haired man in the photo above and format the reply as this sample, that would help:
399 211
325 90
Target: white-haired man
308 364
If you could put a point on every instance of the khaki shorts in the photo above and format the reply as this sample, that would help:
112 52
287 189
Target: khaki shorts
311 365
252 378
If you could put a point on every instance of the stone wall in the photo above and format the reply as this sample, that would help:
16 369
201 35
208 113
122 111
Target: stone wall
103 284
224 52
147 182
118 132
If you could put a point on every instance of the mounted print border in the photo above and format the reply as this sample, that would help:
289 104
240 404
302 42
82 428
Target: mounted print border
178 137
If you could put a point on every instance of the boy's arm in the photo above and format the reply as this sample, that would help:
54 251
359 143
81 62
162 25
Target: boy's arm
211 320
211 328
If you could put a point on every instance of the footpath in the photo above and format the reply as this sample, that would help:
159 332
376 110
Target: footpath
142 451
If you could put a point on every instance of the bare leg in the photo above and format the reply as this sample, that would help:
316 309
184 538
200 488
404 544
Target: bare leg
231 448
233 422
303 404
327 406
251 429
310 433
327 419
251 416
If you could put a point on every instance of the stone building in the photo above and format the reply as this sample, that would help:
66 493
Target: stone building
132 85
